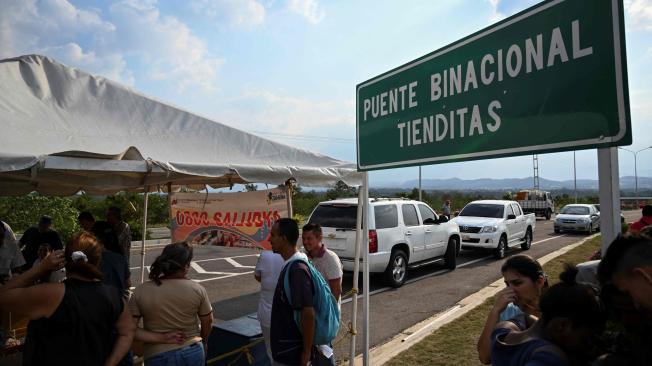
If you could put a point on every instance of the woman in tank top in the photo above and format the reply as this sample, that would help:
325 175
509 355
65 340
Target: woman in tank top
170 303
78 322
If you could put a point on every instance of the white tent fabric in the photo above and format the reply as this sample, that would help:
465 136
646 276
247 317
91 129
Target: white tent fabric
64 130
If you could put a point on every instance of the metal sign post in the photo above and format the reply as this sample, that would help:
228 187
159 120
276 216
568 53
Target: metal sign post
610 225
365 273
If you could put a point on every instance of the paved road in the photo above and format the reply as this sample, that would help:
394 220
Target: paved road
227 274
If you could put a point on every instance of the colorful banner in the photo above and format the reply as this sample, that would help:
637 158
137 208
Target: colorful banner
242 219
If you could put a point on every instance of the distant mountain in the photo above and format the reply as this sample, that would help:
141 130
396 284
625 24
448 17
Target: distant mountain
626 183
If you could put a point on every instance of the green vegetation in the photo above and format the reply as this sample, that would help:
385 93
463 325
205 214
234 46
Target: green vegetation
22 212
454 343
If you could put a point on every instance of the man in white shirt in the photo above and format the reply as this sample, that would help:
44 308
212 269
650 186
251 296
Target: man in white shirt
10 256
268 268
324 259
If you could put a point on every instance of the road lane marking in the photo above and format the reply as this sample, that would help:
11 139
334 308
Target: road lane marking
237 256
436 273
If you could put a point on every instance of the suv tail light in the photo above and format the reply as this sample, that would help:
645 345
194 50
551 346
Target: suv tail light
373 241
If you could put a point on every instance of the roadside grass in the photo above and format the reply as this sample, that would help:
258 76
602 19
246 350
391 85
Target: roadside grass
454 343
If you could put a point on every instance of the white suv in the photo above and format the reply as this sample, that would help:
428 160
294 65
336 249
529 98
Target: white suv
402 233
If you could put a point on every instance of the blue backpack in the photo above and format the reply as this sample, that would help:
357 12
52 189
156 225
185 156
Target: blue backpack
327 314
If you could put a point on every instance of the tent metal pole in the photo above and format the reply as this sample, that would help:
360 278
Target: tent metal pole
356 274
142 246
288 195
365 275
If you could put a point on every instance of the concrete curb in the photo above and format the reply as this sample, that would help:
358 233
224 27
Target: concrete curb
381 354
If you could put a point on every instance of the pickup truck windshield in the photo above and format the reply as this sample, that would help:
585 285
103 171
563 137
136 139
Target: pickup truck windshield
483 210
575 210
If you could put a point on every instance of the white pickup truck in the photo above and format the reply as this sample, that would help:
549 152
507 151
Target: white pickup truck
496 225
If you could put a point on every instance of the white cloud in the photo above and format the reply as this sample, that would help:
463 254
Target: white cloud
495 14
166 45
53 27
111 65
100 43
504 8
239 13
639 14
273 111
308 9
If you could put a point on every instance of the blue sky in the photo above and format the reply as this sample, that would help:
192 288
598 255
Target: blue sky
288 69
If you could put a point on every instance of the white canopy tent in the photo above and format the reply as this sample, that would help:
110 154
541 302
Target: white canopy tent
65 131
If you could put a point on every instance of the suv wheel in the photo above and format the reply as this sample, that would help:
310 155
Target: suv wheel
499 252
527 241
450 258
397 269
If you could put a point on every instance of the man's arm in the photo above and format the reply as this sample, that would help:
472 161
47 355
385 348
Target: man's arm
336 287
308 332
147 336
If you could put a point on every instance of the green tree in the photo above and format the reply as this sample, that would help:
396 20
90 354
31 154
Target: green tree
23 212
341 190
250 187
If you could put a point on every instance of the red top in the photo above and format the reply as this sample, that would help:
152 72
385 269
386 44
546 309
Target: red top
640 224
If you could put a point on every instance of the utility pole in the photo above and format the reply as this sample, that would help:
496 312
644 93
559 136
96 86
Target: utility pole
635 170
535 163
575 175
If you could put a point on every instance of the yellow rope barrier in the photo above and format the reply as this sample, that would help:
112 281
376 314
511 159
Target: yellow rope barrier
349 327
246 350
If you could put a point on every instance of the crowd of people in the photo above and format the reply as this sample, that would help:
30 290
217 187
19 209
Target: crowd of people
84 288
599 313
79 296
531 322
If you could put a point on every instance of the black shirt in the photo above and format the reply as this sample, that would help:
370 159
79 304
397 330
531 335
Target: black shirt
81 329
286 338
115 270
33 238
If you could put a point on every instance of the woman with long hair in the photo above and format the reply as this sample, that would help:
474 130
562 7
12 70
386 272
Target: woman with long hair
78 322
176 312
518 302
571 314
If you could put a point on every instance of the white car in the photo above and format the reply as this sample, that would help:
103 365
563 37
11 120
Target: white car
578 217
495 225
402 233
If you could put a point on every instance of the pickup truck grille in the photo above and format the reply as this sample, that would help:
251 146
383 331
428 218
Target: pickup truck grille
471 240
469 229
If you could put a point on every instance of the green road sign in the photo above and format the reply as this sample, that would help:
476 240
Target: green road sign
550 78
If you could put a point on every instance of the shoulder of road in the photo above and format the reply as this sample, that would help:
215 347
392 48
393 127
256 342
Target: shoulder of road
411 336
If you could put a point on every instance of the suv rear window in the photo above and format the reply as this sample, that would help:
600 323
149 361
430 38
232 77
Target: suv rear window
386 216
337 216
